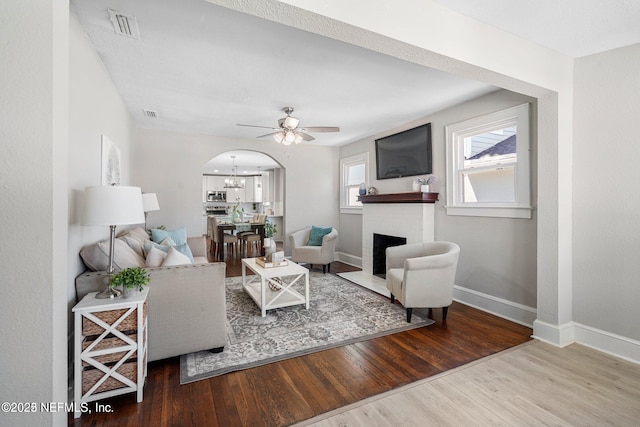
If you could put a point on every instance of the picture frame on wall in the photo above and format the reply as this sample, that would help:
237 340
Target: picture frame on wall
110 162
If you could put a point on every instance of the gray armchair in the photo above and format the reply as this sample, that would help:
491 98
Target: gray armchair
421 275
323 255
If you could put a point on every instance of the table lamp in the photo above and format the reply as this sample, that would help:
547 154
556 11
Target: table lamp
149 203
112 205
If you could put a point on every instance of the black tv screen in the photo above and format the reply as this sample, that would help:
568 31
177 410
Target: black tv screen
406 153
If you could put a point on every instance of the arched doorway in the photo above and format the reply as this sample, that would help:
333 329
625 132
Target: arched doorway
251 180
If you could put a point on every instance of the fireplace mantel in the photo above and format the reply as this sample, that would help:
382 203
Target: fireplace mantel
407 215
413 197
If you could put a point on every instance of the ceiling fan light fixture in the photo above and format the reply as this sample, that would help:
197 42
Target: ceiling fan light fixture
289 136
298 139
290 122
279 137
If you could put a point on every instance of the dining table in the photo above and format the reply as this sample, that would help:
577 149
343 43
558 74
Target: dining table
223 227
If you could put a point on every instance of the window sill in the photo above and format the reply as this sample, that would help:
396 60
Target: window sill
522 212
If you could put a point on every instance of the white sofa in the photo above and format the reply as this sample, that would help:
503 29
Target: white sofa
187 303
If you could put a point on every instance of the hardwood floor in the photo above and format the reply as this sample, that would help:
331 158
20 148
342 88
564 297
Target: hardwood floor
297 389
535 384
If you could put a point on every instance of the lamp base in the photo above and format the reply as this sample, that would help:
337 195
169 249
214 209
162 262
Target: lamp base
109 293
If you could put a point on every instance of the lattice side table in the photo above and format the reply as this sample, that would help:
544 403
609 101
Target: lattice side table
110 351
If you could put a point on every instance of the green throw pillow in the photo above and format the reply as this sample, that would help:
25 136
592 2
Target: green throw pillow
316 235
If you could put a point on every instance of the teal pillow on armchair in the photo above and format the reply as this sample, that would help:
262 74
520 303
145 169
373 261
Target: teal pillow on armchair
316 235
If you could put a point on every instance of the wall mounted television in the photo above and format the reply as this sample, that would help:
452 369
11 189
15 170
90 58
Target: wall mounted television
407 153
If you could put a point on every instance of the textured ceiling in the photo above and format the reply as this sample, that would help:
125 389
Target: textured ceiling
574 27
205 68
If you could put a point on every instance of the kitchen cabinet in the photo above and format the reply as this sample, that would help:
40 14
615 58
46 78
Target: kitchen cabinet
257 189
266 186
249 191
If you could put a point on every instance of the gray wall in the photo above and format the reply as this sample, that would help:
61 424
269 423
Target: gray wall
170 165
498 255
606 206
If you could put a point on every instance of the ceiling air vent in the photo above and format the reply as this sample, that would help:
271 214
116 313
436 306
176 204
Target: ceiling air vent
125 25
150 113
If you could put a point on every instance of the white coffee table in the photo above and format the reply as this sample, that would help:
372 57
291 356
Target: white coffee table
258 286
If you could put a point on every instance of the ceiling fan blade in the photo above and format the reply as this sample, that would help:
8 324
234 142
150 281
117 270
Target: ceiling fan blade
306 136
321 129
254 126
268 134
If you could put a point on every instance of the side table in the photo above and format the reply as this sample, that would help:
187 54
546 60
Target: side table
110 351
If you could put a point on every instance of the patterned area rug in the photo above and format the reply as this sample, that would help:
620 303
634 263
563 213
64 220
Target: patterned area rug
340 313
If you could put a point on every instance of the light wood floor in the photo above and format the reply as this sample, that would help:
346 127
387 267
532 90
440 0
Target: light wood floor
534 384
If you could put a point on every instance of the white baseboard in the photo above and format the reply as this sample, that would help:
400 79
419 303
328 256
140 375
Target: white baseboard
558 335
346 258
572 332
515 312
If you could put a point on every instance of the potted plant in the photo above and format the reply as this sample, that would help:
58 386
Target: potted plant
132 280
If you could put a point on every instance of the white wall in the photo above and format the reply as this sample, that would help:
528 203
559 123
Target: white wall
33 136
498 255
424 32
95 108
170 165
606 203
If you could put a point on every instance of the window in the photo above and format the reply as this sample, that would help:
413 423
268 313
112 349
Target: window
488 165
354 171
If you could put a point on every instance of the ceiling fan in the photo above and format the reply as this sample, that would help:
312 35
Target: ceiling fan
288 131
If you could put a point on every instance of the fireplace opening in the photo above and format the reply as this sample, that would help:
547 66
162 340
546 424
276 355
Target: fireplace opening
380 243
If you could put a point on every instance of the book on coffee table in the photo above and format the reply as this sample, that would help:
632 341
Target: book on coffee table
262 262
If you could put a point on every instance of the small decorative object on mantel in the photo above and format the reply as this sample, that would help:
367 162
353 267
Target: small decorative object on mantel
362 190
372 191
423 184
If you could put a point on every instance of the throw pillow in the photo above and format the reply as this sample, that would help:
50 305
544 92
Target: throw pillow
156 257
134 244
138 233
168 242
316 235
150 244
179 236
186 250
175 258
96 256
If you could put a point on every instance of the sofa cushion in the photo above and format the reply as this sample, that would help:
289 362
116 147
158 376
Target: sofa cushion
316 234
174 257
156 257
96 256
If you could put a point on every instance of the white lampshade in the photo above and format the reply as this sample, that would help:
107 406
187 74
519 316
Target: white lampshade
113 205
150 202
